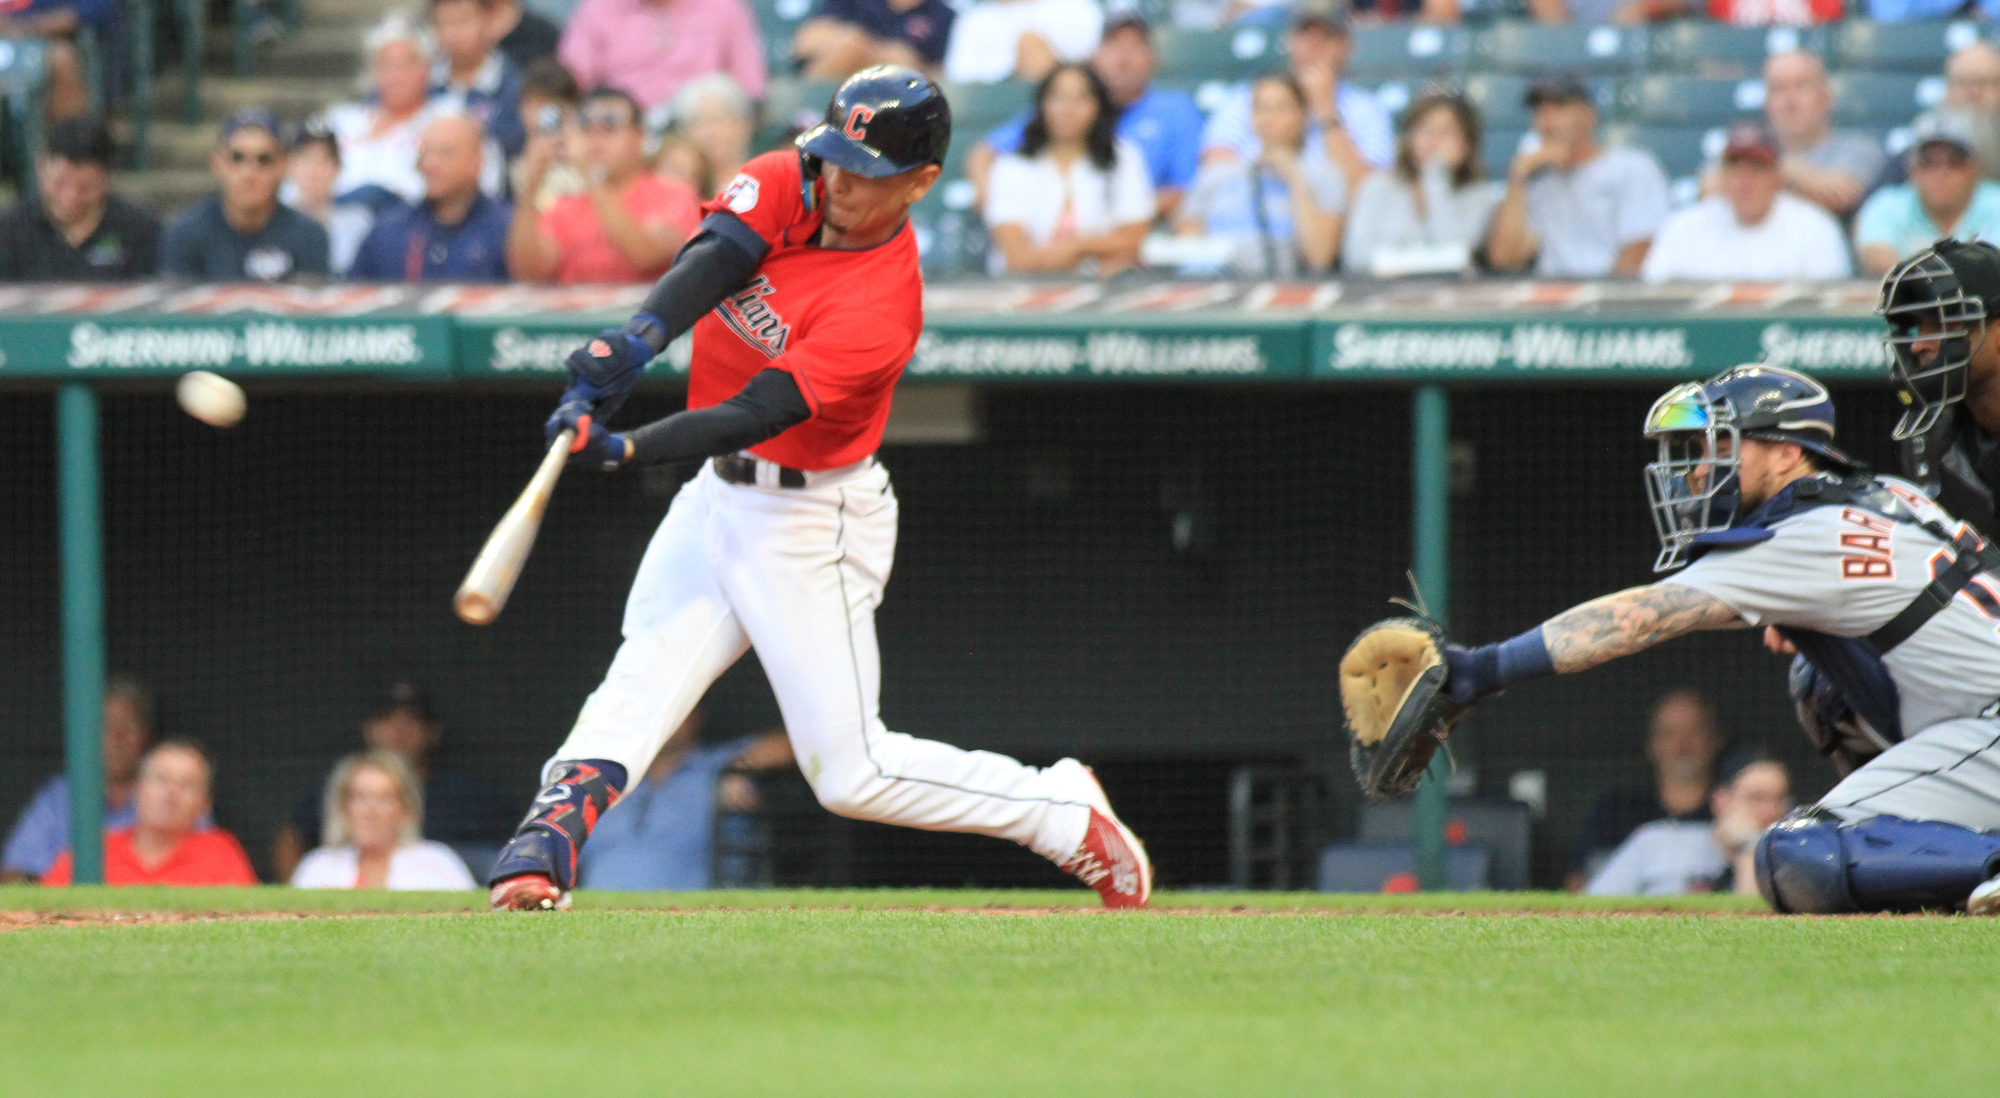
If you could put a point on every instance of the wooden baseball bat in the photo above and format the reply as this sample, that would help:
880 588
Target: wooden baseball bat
491 578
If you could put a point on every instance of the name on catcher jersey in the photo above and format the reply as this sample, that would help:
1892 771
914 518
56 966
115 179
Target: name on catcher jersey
842 323
1846 571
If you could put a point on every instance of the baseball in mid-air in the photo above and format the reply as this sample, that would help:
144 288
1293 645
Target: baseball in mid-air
211 398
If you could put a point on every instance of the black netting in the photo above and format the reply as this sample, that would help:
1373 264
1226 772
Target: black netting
1156 579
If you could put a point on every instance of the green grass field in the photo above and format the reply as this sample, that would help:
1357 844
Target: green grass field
983 993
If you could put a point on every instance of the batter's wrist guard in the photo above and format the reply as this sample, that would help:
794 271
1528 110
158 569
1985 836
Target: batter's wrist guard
550 840
648 329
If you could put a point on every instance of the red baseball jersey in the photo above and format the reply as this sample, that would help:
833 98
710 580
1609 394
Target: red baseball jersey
842 323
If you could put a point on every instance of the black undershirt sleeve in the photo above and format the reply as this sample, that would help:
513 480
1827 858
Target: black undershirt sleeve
717 262
766 407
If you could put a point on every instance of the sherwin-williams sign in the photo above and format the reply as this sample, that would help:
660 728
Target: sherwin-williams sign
1080 346
1607 348
411 346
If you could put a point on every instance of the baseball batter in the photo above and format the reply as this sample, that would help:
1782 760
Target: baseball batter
803 292
1892 599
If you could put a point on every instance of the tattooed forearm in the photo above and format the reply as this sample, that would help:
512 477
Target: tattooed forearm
1637 618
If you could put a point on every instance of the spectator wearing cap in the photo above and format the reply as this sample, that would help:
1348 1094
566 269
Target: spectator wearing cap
1345 125
1573 208
625 227
1753 230
471 76
457 233
458 809
1429 214
1674 857
73 229
649 48
522 35
1164 125
244 233
995 40
1944 197
379 136
315 164
1828 166
372 824
166 843
845 36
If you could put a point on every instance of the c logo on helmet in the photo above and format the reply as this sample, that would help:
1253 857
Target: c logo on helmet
858 118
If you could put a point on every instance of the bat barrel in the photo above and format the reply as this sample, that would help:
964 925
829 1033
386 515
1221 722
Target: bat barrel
491 578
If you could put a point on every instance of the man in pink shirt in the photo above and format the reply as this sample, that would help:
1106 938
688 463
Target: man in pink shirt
651 47
625 226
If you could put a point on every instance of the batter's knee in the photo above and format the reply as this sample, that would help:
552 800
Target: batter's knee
842 793
1812 863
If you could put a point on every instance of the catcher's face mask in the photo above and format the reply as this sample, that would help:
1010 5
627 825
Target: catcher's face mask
1934 327
1693 486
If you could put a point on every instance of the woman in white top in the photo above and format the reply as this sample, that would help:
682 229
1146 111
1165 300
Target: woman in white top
1280 214
378 137
372 827
1430 213
1074 198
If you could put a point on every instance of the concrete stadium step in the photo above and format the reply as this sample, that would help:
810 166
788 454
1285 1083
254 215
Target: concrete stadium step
348 11
165 192
175 144
291 98
316 50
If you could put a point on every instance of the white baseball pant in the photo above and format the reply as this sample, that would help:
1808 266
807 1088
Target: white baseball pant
1949 772
797 573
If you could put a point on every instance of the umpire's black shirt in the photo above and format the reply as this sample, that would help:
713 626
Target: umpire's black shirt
124 248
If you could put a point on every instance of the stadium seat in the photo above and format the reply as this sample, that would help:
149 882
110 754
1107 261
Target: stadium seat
1497 149
1897 47
1681 150
1405 52
1667 100
778 21
1882 99
1235 54
984 106
1699 47
1535 47
1502 99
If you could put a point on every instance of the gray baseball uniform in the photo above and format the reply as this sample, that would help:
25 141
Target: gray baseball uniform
1845 571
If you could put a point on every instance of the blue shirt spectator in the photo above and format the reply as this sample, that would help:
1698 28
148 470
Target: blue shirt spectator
411 244
1926 11
922 26
1164 125
1944 197
660 836
471 76
1362 115
244 233
43 829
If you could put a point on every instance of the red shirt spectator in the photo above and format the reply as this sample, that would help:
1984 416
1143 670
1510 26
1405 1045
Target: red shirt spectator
162 846
1769 13
587 252
651 47
204 858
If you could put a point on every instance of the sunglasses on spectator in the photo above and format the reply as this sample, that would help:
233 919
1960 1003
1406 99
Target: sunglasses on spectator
1943 157
263 159
607 120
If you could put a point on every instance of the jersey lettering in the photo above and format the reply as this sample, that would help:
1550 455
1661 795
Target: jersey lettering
750 316
1872 558
857 122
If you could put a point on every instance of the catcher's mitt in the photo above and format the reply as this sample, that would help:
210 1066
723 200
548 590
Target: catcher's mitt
1391 683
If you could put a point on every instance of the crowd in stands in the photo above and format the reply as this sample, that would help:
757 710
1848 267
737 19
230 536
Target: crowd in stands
484 143
390 816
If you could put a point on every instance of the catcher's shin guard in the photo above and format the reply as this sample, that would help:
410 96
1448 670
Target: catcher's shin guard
551 837
1811 863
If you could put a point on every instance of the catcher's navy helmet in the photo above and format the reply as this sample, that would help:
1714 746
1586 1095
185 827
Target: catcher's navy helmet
1693 485
1937 304
884 120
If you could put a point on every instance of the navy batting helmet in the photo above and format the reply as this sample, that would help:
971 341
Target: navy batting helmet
884 120
1937 304
1693 486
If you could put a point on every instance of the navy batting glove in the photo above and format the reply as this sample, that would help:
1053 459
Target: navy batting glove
606 368
594 447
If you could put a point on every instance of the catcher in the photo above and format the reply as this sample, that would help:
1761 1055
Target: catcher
1770 525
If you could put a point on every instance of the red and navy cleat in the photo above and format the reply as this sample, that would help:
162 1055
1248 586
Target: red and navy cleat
1110 859
537 868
